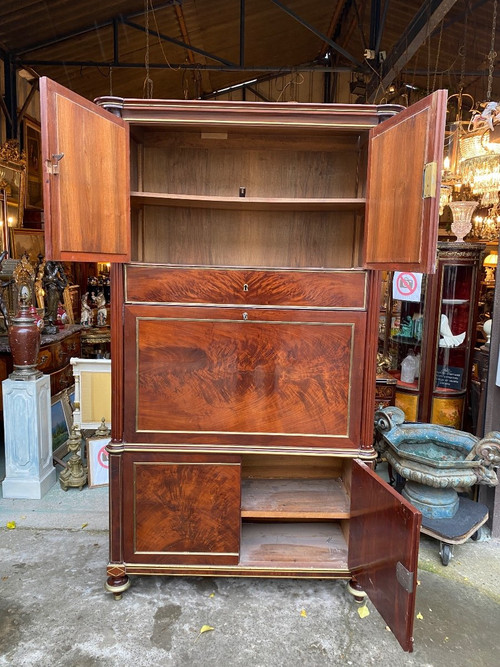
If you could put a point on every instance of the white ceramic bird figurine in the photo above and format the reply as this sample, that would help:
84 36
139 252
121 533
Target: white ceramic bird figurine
448 339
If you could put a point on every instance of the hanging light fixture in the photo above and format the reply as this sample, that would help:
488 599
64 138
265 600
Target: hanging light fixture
479 146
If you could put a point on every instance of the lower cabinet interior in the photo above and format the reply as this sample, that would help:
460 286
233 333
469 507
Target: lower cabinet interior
278 515
295 521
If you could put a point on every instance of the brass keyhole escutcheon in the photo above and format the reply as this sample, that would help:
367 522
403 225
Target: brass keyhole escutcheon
245 287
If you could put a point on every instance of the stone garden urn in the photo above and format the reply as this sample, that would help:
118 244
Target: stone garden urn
437 461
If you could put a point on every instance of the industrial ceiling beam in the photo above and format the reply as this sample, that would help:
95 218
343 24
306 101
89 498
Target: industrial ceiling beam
420 28
324 38
279 69
177 42
90 28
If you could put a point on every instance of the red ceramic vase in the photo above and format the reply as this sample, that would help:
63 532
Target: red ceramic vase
24 342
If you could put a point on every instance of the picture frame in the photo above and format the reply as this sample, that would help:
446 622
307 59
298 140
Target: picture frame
98 461
29 241
32 142
62 422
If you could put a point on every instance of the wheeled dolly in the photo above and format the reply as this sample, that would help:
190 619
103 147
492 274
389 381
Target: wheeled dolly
467 522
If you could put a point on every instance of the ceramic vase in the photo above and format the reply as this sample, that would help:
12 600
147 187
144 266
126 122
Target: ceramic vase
24 342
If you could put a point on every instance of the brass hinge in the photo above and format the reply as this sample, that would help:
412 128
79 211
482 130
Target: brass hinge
404 577
53 165
430 180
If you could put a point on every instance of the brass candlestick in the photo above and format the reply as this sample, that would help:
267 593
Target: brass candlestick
75 475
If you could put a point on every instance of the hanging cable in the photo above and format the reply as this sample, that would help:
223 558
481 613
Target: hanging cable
437 56
492 54
147 87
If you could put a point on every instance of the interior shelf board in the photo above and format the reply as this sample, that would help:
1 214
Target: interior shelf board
294 499
301 545
248 203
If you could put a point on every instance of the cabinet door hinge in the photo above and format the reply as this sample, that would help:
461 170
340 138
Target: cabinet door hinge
53 165
404 577
430 180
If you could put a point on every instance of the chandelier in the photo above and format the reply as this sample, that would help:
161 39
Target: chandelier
479 161
475 149
487 227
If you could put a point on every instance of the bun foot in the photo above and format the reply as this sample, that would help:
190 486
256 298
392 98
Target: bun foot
356 591
117 585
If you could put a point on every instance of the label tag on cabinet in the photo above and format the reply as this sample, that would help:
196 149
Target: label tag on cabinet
406 286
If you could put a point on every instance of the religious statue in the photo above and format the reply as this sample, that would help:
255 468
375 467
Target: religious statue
102 313
54 281
86 311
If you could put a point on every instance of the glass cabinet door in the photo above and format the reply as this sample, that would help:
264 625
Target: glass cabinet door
427 345
401 338
455 339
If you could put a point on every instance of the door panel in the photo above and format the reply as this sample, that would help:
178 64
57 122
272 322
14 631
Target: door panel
230 376
402 224
87 201
384 538
185 509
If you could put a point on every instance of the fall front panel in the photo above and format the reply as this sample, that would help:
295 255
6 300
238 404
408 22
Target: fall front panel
231 377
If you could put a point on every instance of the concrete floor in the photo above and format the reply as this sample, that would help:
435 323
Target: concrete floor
54 610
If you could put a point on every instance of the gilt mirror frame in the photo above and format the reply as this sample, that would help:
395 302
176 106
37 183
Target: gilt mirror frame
12 190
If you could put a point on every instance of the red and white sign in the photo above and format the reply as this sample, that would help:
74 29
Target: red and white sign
103 457
407 286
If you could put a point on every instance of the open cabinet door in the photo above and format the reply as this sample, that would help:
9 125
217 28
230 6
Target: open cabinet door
85 153
404 177
384 537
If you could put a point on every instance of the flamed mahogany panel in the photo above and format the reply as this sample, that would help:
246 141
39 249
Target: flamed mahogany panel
209 372
325 289
185 511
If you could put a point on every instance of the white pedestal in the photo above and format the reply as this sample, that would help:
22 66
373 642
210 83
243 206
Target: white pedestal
29 470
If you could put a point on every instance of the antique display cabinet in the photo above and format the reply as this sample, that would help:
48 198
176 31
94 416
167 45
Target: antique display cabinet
246 241
439 329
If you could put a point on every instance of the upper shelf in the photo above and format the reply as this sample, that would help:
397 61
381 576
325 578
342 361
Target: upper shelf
248 203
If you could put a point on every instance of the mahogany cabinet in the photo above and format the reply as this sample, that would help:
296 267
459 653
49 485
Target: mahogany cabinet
246 241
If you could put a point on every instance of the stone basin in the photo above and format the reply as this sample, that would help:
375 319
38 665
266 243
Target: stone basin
436 460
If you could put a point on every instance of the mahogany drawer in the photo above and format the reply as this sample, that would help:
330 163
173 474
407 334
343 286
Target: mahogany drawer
337 290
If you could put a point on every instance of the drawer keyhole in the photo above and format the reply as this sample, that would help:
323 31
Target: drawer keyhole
245 316
245 287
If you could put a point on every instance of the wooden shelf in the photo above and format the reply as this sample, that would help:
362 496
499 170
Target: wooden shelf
247 203
294 499
285 545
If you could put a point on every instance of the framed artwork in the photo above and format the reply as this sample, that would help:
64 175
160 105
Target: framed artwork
30 241
98 461
62 421
32 147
